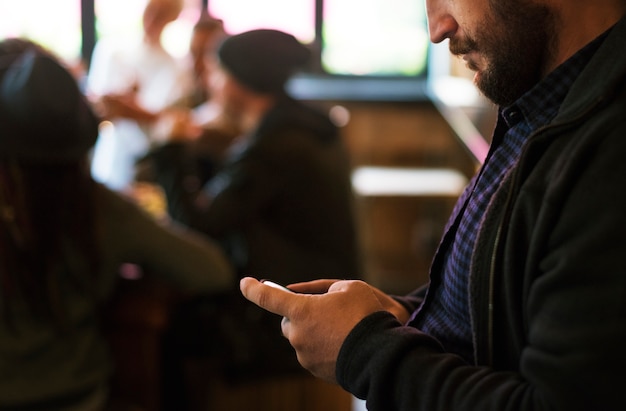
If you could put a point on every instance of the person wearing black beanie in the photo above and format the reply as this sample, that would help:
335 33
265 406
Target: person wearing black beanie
281 204
287 175
263 59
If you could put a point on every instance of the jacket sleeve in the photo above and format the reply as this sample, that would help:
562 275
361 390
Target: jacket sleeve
230 198
179 172
257 176
239 192
189 260
395 367
413 300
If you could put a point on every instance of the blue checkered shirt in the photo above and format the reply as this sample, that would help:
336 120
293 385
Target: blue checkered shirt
447 316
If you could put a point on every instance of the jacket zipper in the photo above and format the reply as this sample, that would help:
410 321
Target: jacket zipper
537 135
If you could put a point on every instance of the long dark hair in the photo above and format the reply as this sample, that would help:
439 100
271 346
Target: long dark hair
47 230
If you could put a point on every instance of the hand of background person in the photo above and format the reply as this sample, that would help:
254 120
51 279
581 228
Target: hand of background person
318 317
175 125
125 105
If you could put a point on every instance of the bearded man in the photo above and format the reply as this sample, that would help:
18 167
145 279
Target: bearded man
526 307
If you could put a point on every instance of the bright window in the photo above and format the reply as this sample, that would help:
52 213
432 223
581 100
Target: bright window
358 37
374 37
54 24
355 38
292 16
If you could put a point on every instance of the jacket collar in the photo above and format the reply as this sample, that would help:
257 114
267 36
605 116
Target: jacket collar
604 75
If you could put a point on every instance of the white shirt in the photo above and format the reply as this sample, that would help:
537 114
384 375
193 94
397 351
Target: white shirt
159 79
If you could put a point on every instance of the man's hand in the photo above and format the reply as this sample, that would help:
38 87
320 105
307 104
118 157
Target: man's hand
317 323
388 303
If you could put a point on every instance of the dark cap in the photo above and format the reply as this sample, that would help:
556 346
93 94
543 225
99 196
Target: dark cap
43 114
263 59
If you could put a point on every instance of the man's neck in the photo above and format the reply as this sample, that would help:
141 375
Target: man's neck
579 23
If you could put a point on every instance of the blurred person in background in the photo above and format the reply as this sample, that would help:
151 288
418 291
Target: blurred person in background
283 195
281 204
63 239
207 34
130 85
196 116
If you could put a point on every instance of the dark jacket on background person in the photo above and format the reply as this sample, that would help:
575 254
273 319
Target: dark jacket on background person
282 207
547 281
282 203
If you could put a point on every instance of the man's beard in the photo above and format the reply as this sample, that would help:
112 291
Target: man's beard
515 39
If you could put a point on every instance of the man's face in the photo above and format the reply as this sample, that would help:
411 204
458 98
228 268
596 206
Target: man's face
506 42
225 90
201 48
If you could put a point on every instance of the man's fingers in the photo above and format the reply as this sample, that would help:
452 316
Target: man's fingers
312 287
267 297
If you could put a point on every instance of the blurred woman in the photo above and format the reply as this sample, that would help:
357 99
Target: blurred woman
63 238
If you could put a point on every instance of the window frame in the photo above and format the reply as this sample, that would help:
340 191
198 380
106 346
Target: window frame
315 84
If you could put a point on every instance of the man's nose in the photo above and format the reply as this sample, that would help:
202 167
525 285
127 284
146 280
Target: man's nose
441 24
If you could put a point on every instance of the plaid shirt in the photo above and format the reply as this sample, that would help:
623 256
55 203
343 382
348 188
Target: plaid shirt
447 317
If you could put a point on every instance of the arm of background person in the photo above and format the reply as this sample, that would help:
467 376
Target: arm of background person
185 258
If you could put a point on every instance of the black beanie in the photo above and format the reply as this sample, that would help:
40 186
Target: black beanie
43 114
263 59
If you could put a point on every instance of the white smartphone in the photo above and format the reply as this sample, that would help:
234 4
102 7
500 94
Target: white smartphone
276 285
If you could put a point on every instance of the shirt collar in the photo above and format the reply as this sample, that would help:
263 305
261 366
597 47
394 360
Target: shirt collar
541 104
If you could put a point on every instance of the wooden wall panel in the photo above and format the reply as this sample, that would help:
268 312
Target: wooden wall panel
399 234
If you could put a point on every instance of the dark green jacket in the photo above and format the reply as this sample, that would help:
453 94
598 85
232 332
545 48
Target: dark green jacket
41 365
